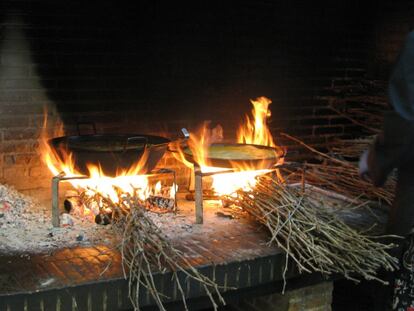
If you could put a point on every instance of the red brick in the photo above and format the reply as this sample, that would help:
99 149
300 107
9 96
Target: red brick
15 172
15 122
20 134
40 171
9 160
22 146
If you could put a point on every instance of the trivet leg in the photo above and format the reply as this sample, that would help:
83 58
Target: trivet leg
175 191
198 195
55 201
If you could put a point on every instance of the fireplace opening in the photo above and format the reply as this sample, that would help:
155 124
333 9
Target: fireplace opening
188 119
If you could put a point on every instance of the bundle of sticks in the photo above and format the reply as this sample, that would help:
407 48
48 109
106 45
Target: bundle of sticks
145 251
310 234
366 112
350 149
368 116
342 176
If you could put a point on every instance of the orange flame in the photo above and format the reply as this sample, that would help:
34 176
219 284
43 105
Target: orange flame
253 131
127 180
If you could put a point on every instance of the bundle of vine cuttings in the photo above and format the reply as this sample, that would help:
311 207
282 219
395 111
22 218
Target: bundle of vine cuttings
310 233
146 251
365 112
342 176
350 149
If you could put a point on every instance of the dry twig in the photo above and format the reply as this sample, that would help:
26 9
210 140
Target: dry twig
342 176
146 251
310 234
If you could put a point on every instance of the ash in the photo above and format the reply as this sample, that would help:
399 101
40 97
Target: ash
26 227
180 226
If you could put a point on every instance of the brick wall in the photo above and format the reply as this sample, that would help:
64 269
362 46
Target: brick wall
22 98
155 67
311 298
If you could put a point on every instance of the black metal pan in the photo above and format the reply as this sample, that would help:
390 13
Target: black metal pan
112 152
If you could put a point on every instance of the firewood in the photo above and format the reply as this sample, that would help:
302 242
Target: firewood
160 203
311 235
145 250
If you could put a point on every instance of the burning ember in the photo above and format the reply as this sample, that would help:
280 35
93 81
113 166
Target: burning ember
204 145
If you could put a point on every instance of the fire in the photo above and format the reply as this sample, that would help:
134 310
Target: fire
128 181
228 183
253 131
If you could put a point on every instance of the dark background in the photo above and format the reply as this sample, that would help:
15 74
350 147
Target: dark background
170 63
157 66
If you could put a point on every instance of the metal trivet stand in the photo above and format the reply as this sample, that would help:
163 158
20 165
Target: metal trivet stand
61 177
198 184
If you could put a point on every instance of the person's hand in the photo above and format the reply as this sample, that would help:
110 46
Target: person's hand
363 165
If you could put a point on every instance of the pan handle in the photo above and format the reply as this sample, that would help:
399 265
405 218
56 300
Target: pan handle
92 124
179 141
186 133
136 138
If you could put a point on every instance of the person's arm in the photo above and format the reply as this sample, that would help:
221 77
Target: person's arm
380 160
389 150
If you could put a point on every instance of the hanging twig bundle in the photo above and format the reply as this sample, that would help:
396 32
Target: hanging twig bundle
342 176
350 148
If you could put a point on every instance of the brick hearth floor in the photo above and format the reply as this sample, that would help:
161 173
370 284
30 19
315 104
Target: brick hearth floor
92 276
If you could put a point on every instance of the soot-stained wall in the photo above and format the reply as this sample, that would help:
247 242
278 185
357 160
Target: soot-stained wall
154 67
